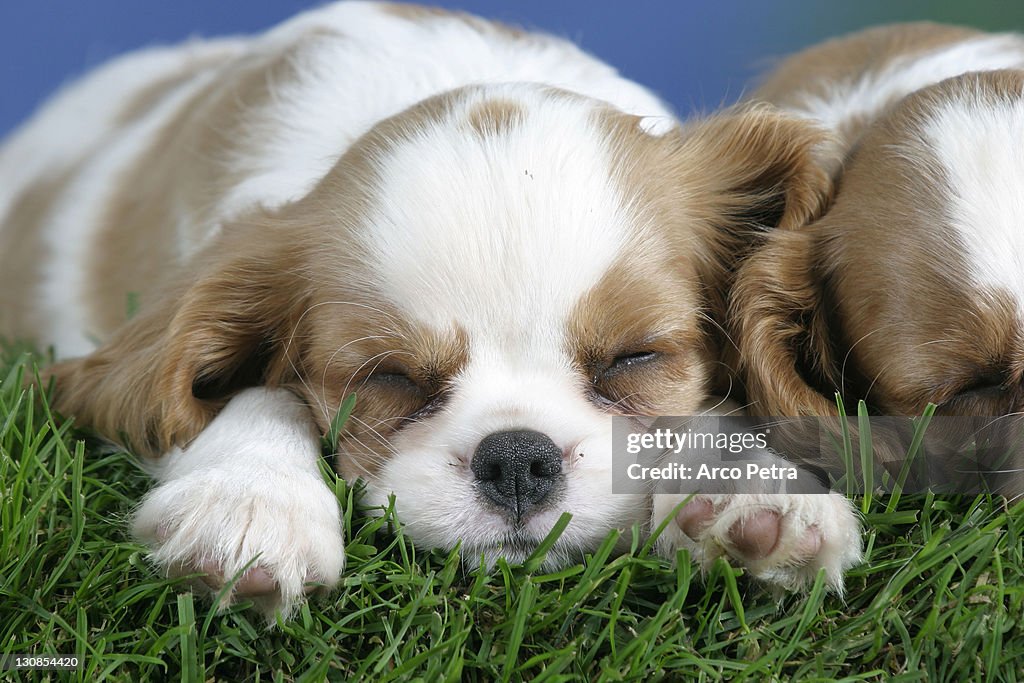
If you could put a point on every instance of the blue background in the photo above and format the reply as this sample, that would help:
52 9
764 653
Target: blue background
696 55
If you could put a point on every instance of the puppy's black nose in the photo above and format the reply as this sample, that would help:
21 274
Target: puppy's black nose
517 470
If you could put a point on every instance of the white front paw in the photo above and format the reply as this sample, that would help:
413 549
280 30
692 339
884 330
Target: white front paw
216 521
782 539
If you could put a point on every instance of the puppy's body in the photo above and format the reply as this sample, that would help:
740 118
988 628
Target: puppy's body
490 237
908 291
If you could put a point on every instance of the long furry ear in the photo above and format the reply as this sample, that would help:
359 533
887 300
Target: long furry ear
163 376
751 171
762 168
778 318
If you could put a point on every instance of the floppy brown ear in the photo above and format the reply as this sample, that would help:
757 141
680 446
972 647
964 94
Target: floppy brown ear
781 327
752 171
163 376
762 168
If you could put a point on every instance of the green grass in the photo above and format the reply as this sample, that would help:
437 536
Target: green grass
940 596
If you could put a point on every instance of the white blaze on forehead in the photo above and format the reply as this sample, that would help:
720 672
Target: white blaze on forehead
502 233
981 149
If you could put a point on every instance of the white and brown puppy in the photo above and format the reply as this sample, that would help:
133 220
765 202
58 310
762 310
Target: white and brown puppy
910 290
492 238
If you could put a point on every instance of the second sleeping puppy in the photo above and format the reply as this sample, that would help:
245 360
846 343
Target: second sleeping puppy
910 290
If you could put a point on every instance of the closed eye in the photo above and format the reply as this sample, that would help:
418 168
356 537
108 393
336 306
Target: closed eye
986 393
984 382
629 361
395 380
424 401
620 382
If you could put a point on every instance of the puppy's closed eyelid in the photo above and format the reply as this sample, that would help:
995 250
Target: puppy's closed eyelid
989 386
397 380
989 378
632 359
626 362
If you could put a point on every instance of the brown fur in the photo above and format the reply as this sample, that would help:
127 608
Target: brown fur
24 250
716 190
647 302
164 374
414 12
495 117
359 344
186 165
422 14
145 100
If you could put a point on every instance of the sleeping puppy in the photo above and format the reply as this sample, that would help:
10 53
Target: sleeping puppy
490 237
909 290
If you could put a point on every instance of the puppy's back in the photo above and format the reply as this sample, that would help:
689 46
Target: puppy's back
125 175
846 83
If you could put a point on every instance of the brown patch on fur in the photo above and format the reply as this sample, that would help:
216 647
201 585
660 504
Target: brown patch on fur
24 249
782 329
713 188
645 303
844 61
147 98
413 12
397 369
163 376
874 299
495 117
186 169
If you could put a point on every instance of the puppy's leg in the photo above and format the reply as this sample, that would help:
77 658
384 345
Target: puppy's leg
248 489
782 539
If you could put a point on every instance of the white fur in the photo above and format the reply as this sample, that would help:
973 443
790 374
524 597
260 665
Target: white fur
515 241
977 147
435 491
869 94
248 490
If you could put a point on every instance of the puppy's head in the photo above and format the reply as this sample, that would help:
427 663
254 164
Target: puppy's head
495 273
911 289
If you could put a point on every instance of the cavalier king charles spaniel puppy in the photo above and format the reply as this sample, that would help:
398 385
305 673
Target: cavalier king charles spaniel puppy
491 238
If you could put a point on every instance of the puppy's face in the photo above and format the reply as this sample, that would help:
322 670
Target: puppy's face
495 273
910 289
524 266
510 288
